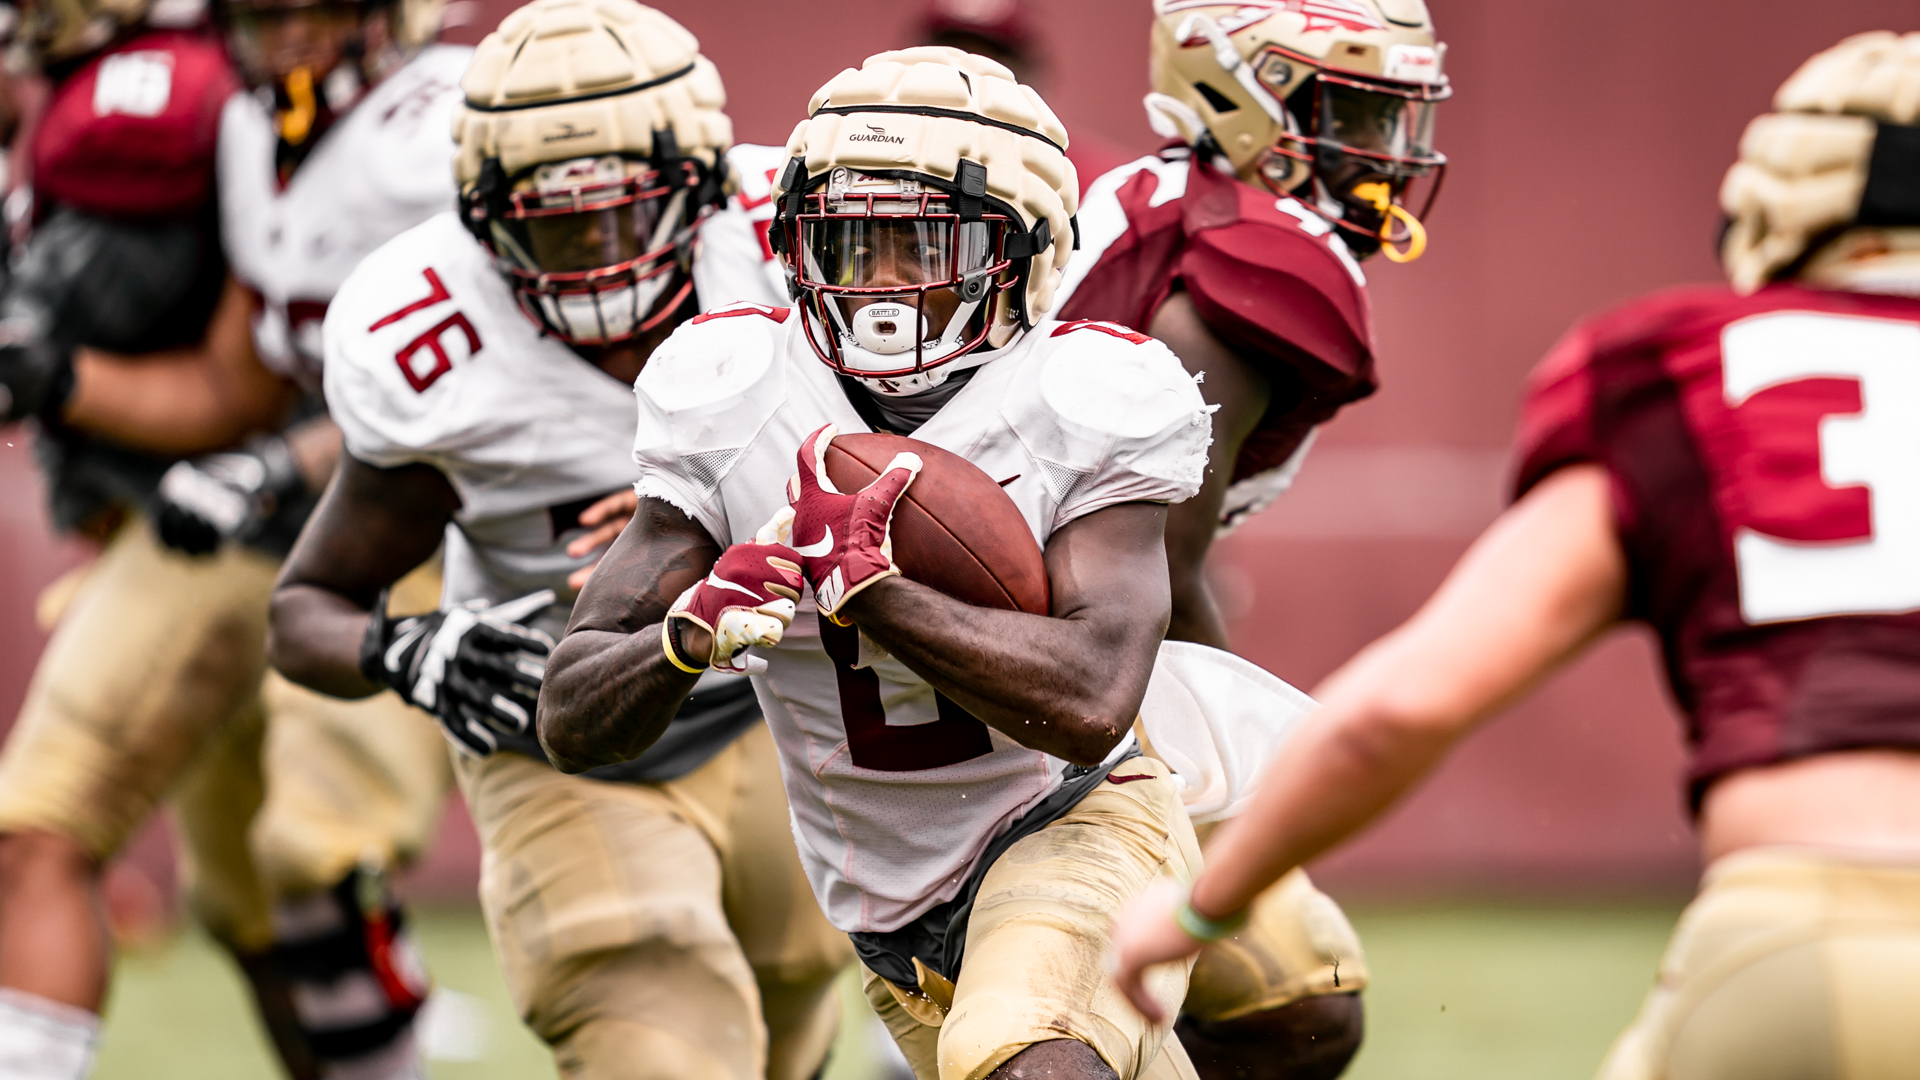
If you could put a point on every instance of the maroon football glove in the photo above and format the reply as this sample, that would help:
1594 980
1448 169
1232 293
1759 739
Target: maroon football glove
843 540
747 599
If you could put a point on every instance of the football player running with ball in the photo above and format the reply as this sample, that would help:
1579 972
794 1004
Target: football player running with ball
1678 464
1301 132
651 918
969 799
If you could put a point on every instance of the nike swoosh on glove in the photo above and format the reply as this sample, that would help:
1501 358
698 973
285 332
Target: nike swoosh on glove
747 599
845 542
475 668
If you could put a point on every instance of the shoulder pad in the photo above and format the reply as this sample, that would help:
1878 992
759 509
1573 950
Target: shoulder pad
712 359
408 144
703 397
1276 280
398 396
1116 405
132 133
755 168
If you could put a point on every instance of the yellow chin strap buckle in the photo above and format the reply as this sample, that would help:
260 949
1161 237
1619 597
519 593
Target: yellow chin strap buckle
1380 196
296 122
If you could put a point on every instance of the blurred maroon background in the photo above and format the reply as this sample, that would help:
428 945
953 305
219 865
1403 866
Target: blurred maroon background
1588 142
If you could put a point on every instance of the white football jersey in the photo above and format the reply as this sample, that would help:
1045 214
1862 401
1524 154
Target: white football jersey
384 167
895 791
429 359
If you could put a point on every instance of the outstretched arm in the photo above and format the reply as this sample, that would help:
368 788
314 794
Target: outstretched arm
371 528
1532 592
610 690
1069 684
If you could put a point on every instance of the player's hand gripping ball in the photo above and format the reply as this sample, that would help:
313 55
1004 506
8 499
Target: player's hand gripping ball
747 599
844 540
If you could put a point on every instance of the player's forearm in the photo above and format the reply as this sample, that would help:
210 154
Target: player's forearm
192 400
314 638
174 404
607 697
1070 687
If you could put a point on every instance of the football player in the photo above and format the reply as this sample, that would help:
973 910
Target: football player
968 797
154 678
1733 467
652 919
1301 135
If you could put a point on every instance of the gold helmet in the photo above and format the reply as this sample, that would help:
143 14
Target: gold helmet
591 147
55 30
1328 100
1834 170
925 216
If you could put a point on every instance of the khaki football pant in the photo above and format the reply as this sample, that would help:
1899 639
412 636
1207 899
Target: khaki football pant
1789 965
1035 965
657 931
155 684
1297 944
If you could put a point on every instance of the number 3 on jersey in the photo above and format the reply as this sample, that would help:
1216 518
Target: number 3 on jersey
1877 447
430 339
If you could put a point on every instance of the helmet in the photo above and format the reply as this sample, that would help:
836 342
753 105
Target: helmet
57 30
1000 29
1835 166
924 217
1336 94
591 147
318 57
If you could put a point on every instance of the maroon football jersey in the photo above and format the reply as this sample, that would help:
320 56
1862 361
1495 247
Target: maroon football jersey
1268 275
1765 457
131 132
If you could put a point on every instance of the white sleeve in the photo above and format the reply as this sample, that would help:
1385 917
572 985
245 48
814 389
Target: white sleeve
1128 394
704 395
389 415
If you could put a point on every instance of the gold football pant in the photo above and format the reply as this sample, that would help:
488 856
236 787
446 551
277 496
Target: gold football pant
657 931
1039 936
155 684
1035 964
1789 965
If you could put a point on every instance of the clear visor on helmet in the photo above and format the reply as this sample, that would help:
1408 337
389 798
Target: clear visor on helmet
591 245
1391 129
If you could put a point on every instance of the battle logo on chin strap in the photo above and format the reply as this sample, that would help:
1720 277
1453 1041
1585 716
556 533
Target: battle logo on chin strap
1379 195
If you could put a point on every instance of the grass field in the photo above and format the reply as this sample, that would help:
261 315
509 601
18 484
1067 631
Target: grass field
1480 992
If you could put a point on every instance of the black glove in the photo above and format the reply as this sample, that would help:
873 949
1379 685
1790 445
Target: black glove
230 496
475 668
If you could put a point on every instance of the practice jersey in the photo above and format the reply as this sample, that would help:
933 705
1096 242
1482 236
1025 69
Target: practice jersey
895 790
384 167
1765 458
1269 277
429 360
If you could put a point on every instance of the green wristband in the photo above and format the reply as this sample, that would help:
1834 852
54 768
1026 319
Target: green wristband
1200 928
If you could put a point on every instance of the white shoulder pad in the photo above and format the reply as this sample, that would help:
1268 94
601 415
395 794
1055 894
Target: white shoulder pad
1116 409
408 144
704 395
755 169
396 403
735 262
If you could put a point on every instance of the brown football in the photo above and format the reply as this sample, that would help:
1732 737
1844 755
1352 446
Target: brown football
955 531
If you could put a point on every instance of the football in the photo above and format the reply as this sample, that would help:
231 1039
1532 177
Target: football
955 530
